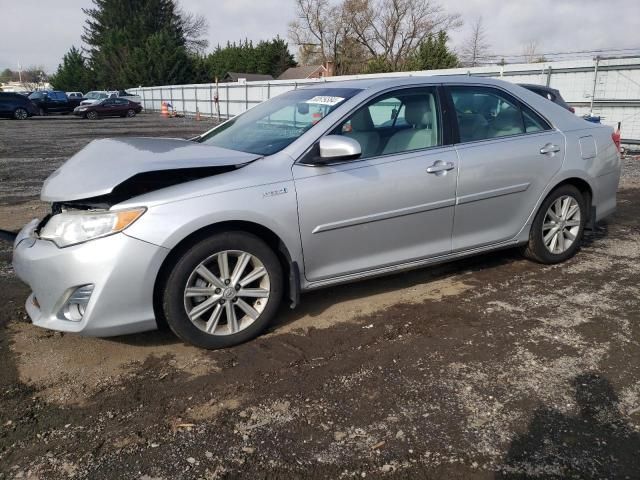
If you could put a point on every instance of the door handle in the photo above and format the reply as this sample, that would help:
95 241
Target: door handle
440 167
549 148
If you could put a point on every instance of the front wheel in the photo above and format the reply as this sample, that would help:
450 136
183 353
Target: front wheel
223 290
558 228
92 115
20 114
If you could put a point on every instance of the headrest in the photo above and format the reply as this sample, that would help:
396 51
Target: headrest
418 112
465 104
507 118
361 121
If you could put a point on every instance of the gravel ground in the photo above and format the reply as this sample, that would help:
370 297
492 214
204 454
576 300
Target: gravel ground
488 368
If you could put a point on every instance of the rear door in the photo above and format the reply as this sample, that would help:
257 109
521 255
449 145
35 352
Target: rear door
107 108
508 154
120 107
5 104
57 102
393 205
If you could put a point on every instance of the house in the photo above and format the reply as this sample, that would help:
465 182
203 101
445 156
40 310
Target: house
307 71
247 77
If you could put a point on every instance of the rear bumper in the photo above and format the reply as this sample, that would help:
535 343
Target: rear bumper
121 269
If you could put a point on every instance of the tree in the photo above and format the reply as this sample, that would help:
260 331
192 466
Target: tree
475 49
131 42
391 30
529 52
270 57
433 54
377 35
73 73
323 33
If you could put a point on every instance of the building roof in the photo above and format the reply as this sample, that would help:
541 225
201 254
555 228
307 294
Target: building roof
305 71
249 77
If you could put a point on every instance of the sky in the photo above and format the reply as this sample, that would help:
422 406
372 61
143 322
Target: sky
39 32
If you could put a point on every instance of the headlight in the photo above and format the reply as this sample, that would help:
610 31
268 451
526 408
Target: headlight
82 109
77 226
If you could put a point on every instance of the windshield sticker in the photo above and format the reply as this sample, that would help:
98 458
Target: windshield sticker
325 100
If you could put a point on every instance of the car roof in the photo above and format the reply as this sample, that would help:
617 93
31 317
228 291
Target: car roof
401 80
537 87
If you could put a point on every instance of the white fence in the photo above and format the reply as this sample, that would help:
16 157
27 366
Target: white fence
607 87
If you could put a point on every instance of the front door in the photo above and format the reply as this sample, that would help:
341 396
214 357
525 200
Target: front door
393 205
508 154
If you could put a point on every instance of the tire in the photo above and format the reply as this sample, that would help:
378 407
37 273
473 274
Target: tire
91 115
252 304
20 114
569 231
131 113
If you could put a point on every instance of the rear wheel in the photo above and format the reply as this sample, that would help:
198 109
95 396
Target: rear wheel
558 228
223 290
92 115
131 113
20 114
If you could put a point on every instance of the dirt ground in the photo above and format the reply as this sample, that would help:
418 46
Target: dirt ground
487 368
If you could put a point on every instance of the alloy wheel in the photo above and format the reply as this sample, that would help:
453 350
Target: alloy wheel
21 114
561 224
92 115
227 292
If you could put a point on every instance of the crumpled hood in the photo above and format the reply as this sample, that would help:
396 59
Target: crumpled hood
104 164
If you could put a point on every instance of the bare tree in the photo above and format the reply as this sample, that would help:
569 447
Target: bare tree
354 31
323 33
313 30
475 48
390 30
194 27
530 52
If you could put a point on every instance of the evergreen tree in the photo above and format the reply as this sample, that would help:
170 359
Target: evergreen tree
133 43
270 57
73 73
433 54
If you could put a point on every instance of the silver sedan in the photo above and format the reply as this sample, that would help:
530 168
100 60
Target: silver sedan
322 185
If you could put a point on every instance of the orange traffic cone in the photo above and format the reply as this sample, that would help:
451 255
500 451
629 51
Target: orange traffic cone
197 115
164 111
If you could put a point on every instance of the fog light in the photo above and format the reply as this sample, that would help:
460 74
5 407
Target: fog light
74 308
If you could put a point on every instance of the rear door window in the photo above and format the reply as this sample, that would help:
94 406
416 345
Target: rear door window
484 112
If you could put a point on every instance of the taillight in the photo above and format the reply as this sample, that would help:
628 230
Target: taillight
616 136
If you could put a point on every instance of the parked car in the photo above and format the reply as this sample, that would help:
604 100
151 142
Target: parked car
15 105
309 189
550 94
93 97
127 95
109 107
78 95
53 101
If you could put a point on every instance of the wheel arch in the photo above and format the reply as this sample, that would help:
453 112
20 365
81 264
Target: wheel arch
289 267
585 189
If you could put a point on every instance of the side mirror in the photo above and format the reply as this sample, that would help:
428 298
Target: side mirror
337 148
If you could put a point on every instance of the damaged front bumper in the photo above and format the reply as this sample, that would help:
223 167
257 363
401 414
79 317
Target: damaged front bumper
102 287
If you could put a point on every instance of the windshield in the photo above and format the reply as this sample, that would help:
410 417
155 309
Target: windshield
95 95
271 126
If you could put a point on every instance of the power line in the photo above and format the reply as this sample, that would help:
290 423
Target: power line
575 52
